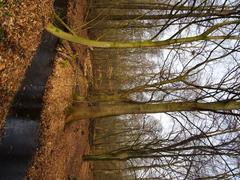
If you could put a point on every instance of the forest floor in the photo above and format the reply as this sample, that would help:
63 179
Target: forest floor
61 147
60 151
21 25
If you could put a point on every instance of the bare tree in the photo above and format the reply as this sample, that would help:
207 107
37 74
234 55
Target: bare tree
189 70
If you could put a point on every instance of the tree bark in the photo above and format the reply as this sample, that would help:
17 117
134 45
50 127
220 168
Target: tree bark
171 16
135 155
163 6
77 113
139 44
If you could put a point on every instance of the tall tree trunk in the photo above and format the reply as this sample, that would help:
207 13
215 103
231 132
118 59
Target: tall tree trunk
224 14
163 6
138 44
136 155
76 113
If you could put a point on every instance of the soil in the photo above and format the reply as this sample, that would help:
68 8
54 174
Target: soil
61 147
21 25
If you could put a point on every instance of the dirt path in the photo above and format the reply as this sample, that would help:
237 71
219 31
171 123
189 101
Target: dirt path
61 148
60 151
21 25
